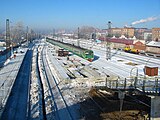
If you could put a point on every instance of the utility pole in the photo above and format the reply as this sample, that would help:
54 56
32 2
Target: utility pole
94 35
8 42
108 48
27 37
78 33
53 32
78 38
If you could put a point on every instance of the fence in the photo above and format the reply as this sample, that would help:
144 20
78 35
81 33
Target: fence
145 85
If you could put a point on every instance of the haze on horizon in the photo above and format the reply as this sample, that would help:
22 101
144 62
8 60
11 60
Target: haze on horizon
70 14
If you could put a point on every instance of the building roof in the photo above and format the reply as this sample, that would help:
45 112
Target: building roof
122 41
142 41
122 37
154 44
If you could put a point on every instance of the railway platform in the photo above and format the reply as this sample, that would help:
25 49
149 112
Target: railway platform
8 75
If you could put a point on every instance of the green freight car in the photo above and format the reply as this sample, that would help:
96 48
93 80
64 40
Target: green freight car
84 53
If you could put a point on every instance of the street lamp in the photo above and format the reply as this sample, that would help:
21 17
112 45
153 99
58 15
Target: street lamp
106 80
136 77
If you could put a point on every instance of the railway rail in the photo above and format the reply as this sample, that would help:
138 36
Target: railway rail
55 108
139 60
42 88
135 57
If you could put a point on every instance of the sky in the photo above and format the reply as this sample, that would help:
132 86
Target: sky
48 14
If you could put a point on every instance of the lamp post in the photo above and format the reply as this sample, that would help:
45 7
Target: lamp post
136 77
106 79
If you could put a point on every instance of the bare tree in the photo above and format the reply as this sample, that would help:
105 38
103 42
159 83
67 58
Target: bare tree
86 31
17 32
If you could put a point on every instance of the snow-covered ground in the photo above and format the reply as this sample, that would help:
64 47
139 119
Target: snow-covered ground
123 65
119 59
35 91
63 108
8 75
16 105
62 95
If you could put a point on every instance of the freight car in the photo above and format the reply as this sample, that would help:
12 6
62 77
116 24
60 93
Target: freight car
84 53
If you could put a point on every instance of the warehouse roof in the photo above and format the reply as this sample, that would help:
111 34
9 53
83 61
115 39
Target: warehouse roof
154 44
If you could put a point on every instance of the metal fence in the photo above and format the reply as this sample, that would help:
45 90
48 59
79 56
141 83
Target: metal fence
146 85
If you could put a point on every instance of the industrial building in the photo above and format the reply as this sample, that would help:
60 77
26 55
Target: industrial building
156 34
127 31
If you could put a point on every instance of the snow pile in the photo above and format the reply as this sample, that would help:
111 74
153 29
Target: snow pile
35 92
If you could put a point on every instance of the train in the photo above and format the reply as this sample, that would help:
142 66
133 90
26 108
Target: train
82 52
131 50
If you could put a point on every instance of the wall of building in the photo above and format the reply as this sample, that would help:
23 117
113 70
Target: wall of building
118 45
136 44
148 36
116 31
156 34
153 49
140 45
128 32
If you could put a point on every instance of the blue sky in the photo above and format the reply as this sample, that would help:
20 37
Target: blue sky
77 13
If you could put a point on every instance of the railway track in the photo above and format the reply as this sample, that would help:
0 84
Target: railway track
55 108
61 107
123 71
139 60
126 69
134 57
42 88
